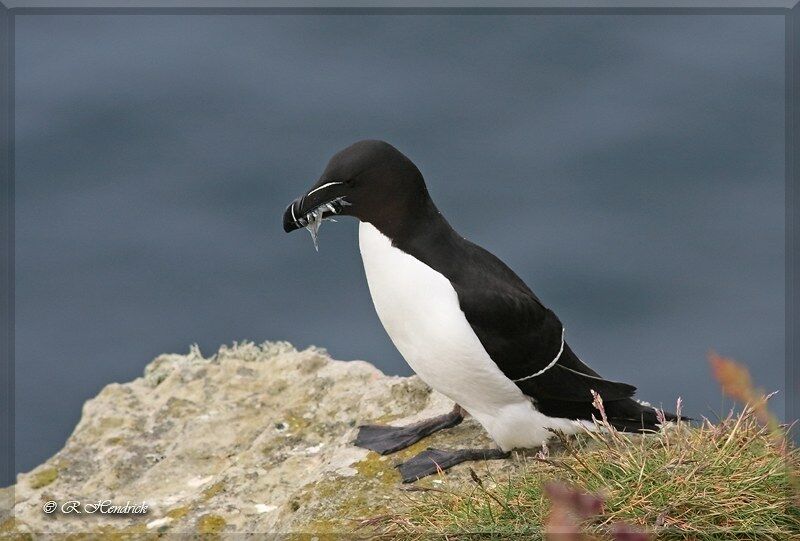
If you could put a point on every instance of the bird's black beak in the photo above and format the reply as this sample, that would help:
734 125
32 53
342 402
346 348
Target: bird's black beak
324 199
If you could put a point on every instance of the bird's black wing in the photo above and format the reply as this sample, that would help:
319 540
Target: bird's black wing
523 337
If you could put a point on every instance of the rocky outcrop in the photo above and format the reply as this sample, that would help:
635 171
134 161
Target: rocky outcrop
253 439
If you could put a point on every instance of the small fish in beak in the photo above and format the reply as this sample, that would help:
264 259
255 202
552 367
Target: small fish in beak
313 227
312 220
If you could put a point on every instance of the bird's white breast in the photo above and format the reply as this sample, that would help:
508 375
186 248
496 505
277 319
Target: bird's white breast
419 309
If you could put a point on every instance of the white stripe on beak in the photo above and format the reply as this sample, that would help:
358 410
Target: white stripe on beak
323 186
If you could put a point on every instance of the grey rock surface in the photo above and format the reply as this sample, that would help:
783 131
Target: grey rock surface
252 439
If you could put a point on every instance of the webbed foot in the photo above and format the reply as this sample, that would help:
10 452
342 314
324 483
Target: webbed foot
433 460
389 439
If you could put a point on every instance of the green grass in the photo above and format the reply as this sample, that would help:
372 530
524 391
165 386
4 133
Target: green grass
725 481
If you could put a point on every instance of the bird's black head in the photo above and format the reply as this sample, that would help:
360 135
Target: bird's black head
369 180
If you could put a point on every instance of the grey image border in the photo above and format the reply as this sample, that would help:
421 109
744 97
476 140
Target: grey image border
7 16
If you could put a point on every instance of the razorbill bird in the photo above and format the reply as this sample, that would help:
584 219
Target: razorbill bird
462 319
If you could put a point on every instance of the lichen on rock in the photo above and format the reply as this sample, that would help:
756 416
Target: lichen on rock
256 438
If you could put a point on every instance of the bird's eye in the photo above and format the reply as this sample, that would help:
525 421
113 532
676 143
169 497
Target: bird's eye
350 181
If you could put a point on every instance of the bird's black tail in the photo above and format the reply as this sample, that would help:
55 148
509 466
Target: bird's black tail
628 415
624 414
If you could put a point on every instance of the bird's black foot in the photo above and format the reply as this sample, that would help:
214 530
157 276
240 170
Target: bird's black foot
388 439
433 460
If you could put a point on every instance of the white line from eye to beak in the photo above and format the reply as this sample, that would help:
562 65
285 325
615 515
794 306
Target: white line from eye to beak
323 186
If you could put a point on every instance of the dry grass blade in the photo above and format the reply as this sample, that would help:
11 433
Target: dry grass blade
706 482
737 384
